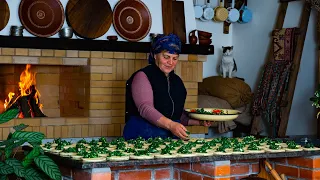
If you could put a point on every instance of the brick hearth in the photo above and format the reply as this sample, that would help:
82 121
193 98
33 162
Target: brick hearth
294 168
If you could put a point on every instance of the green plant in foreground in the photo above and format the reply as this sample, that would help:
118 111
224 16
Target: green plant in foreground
35 165
316 99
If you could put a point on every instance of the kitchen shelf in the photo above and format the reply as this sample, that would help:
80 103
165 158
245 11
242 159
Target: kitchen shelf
93 45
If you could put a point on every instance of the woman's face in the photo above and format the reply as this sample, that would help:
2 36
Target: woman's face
166 61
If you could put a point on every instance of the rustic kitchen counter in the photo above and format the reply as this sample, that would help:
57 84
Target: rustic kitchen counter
88 165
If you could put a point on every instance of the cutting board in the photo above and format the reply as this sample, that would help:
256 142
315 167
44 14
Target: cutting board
4 14
167 23
178 18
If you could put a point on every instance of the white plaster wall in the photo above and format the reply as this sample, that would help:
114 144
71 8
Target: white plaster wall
154 7
251 42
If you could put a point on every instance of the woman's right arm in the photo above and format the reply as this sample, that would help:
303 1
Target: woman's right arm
142 94
143 97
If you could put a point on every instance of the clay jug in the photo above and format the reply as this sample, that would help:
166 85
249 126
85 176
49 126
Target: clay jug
192 37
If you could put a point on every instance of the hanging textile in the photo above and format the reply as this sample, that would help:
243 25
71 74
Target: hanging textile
274 81
315 4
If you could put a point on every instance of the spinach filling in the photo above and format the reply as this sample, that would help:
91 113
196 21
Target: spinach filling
253 147
105 144
168 139
138 145
91 154
116 153
309 145
60 147
94 148
82 141
184 150
117 141
238 149
121 146
200 141
201 150
80 145
57 141
130 150
70 150
152 150
221 149
141 153
81 152
47 145
292 146
102 150
93 142
166 150
103 140
274 147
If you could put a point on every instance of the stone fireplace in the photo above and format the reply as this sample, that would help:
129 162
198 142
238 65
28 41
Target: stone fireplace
83 92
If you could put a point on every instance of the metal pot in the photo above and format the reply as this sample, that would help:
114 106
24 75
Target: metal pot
16 31
66 32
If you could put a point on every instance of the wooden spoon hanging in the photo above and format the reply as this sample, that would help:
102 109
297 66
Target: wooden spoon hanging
4 14
89 18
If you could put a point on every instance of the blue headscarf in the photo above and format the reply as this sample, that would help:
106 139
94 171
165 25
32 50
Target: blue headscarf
170 43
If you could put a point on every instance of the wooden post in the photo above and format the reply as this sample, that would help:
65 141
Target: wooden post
318 43
226 25
285 111
317 110
279 24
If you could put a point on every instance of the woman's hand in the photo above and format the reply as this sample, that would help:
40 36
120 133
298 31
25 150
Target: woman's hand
178 130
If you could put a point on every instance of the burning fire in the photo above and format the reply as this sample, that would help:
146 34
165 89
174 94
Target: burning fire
27 79
6 102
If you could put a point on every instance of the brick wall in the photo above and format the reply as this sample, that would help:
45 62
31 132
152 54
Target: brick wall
218 170
243 168
83 92
307 168
298 168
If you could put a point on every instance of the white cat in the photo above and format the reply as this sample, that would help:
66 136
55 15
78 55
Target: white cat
228 64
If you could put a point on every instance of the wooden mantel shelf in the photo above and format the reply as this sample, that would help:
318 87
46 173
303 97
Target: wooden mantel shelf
93 45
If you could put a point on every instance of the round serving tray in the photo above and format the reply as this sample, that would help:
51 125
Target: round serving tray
89 18
230 115
41 18
132 19
4 14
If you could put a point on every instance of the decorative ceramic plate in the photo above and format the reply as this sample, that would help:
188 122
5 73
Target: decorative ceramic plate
213 114
41 18
131 19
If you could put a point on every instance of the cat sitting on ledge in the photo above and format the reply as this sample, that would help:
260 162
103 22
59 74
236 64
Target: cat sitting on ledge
228 64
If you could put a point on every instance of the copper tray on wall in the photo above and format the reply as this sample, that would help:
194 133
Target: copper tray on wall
132 19
41 18
4 14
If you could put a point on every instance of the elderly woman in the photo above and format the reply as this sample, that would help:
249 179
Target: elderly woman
155 95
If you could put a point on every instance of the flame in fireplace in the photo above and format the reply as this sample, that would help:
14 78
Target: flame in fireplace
27 79
7 101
